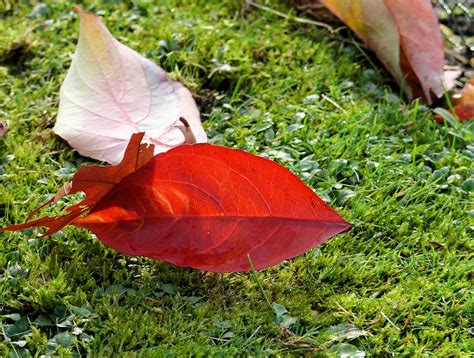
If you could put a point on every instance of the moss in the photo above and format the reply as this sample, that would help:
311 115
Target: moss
289 92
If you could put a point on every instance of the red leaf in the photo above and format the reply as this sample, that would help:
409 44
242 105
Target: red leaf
208 207
466 97
465 112
95 181
463 103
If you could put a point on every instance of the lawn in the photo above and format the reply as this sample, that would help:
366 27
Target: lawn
400 283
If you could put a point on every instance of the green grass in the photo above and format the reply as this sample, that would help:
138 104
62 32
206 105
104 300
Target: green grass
399 283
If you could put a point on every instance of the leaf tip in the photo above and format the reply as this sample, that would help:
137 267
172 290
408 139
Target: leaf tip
77 9
348 226
84 13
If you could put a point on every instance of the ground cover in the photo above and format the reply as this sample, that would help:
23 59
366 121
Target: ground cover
400 282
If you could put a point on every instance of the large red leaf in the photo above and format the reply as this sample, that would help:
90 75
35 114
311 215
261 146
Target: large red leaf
209 207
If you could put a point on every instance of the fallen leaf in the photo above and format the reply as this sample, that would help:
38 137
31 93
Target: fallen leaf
111 92
451 74
463 103
464 112
3 128
374 24
93 180
201 206
422 44
405 36
466 97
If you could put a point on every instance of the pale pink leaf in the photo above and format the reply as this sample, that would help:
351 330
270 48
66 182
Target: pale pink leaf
111 92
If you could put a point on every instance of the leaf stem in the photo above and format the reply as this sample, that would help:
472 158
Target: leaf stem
189 137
